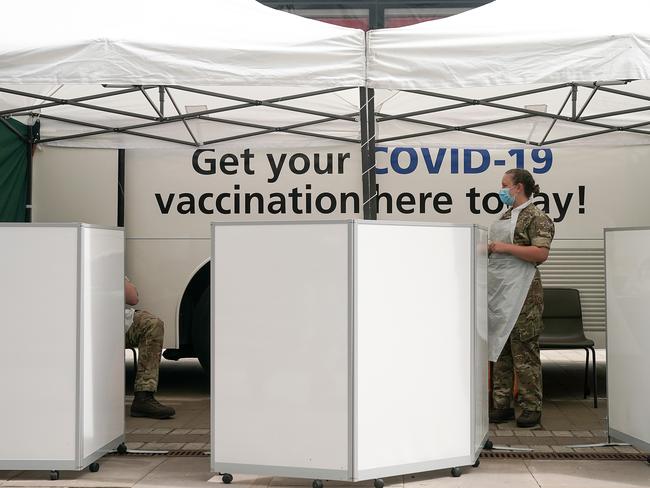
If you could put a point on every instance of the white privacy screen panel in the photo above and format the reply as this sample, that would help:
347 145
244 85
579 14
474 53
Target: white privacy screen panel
38 333
280 340
480 363
103 336
627 268
413 344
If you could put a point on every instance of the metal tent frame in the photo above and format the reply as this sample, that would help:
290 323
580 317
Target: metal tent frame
577 116
165 95
367 118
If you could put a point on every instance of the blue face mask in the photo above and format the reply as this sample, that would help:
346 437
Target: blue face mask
506 197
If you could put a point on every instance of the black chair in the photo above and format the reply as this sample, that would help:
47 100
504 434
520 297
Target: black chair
563 329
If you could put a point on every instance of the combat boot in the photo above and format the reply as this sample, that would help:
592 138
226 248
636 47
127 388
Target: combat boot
529 418
500 415
145 405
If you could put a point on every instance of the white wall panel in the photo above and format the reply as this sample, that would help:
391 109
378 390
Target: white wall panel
628 334
62 381
413 344
480 380
356 349
103 338
38 299
280 361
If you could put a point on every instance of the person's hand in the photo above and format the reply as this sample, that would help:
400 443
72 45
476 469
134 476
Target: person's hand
498 247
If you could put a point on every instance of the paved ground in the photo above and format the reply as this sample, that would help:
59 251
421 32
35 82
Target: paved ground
568 420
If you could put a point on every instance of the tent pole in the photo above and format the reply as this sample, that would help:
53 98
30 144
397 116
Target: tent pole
161 95
121 159
584 106
153 105
368 174
29 173
574 101
372 164
363 120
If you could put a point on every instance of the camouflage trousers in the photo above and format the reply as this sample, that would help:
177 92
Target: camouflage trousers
521 357
146 333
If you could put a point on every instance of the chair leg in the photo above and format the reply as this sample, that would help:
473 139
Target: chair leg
586 385
595 376
135 359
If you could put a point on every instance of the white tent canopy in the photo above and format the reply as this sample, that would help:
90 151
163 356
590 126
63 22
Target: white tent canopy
193 42
516 72
170 72
151 73
516 42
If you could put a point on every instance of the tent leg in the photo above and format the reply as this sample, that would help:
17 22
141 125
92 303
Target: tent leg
121 157
28 176
368 170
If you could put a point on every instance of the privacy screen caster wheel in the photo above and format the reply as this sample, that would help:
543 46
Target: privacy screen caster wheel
488 444
317 484
54 475
226 478
379 483
94 467
477 463
121 449
455 472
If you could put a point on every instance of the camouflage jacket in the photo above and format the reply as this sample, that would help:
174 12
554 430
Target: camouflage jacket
533 227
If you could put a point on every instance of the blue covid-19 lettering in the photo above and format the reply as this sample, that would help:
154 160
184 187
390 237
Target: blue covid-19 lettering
406 160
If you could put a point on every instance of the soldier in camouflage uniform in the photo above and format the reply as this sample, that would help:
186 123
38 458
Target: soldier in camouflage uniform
532 238
144 331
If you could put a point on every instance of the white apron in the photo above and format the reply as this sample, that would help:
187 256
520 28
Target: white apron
508 281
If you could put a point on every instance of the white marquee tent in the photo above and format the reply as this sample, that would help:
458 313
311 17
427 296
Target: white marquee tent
517 71
155 73
513 71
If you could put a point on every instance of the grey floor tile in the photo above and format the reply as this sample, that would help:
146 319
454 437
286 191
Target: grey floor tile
562 433
541 448
626 449
180 432
200 431
193 446
492 473
592 474
114 472
543 433
190 472
524 433
583 433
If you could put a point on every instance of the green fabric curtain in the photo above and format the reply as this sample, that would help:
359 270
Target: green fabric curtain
13 170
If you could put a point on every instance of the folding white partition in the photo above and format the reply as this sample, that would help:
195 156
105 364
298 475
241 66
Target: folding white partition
627 271
62 336
348 350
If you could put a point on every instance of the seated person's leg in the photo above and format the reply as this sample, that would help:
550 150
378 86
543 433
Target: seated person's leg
146 333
